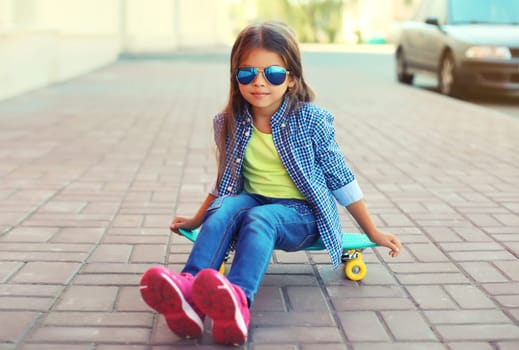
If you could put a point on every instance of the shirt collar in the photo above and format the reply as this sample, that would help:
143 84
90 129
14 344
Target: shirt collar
281 112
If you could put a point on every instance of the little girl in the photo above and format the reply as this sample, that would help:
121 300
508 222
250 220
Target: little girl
280 172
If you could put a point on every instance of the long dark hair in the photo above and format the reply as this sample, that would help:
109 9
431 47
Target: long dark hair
273 36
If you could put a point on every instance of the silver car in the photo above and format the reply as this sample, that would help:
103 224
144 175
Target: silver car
468 45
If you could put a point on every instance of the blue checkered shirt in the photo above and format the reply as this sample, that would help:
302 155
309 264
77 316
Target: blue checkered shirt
304 139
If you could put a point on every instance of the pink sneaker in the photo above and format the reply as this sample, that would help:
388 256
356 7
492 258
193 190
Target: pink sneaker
169 293
225 303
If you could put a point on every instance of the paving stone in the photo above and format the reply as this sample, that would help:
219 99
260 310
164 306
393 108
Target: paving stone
98 319
483 272
416 267
136 240
95 207
68 220
26 303
30 290
129 300
487 332
367 304
408 326
472 234
122 335
469 297
320 346
509 268
508 301
161 221
355 325
484 316
400 346
502 288
161 335
7 269
442 234
378 274
483 255
30 234
507 345
431 278
147 253
128 221
88 298
62 256
306 299
270 299
291 319
471 246
55 346
46 273
289 277
128 347
15 324
278 347
470 346
111 253
357 291
114 279
515 314
513 247
277 335
115 268
78 235
431 297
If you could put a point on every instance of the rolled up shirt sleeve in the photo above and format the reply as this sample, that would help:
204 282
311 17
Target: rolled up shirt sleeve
349 193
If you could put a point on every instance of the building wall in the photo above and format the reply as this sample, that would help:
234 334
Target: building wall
370 20
72 37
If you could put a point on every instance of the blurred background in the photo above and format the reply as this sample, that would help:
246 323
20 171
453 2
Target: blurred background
48 41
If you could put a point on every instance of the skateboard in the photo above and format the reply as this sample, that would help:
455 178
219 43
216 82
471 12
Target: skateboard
352 244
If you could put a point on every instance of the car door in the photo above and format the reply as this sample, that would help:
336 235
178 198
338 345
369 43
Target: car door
413 40
433 36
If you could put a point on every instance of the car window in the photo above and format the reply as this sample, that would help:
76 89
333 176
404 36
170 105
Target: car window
484 11
438 10
429 9
422 11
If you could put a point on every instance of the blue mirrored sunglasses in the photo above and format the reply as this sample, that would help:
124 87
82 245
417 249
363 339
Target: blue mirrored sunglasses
275 75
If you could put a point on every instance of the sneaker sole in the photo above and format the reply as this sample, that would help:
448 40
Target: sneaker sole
160 292
221 306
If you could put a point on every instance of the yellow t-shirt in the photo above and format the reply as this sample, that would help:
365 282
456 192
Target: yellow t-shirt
263 171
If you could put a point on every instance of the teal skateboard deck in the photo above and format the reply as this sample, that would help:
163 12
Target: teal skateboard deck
352 245
349 240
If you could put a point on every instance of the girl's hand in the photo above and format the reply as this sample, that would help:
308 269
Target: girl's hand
387 240
185 223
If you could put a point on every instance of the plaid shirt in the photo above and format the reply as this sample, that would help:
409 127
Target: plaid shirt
305 142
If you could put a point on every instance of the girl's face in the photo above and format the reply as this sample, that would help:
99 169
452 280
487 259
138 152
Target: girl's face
264 97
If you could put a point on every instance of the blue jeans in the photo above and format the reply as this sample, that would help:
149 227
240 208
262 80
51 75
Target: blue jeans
255 226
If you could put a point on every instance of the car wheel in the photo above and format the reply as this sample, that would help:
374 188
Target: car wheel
401 69
447 83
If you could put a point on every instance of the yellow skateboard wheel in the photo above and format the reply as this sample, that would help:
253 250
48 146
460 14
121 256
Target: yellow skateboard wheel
222 269
355 270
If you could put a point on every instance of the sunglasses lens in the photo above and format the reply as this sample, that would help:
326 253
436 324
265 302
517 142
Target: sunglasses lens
246 75
275 75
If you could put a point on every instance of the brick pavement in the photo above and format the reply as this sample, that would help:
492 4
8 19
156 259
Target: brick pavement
92 171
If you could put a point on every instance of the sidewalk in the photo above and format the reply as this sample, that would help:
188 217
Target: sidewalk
93 170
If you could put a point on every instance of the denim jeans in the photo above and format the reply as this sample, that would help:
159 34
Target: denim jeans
255 226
